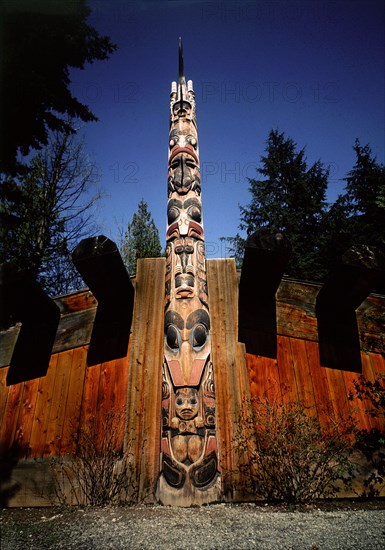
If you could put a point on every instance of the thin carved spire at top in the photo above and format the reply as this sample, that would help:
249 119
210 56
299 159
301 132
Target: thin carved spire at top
181 63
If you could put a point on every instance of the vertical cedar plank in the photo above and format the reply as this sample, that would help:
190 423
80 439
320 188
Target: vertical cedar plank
357 406
378 363
145 376
4 391
322 396
120 394
369 372
378 368
302 374
10 418
338 393
74 400
230 371
90 399
42 410
286 370
272 389
26 416
59 400
105 404
256 379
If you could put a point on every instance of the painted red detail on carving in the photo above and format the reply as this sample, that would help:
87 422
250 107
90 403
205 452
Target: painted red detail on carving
185 293
186 149
176 372
173 228
195 230
165 446
197 369
211 444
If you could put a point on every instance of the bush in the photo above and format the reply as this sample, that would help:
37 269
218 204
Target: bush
292 457
97 471
371 443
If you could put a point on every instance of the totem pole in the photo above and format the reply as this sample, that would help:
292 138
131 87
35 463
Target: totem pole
189 461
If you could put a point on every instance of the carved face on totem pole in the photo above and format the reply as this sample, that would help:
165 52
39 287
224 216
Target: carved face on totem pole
189 451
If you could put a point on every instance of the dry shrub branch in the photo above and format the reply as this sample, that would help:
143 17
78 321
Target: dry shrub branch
371 443
97 472
292 457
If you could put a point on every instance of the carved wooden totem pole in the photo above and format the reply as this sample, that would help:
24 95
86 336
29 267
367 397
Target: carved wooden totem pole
189 461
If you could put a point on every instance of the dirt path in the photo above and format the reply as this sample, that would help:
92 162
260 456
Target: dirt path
345 526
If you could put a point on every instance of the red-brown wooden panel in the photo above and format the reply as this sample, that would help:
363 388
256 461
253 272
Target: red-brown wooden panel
105 405
302 374
357 407
4 390
42 410
120 394
338 393
90 397
74 399
369 370
58 404
26 415
255 374
10 417
378 363
286 370
272 389
320 383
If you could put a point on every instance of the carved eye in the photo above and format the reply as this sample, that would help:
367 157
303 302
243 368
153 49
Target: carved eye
192 141
175 163
179 401
174 138
190 163
198 336
193 401
173 337
189 249
195 213
172 214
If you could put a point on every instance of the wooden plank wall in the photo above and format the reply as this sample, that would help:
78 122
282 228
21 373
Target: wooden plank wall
297 375
39 416
232 388
144 394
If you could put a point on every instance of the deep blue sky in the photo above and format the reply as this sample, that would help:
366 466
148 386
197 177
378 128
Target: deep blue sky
313 69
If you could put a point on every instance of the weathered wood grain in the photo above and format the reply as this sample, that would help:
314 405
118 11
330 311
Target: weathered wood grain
26 416
302 374
286 370
57 408
42 411
145 376
8 425
74 400
3 392
230 372
120 395
295 318
90 399
322 396
338 393
106 415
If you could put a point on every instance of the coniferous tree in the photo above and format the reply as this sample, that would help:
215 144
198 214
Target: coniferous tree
40 42
358 215
141 239
364 195
290 199
47 211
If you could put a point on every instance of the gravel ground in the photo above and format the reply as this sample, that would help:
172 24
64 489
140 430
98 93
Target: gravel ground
321 527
